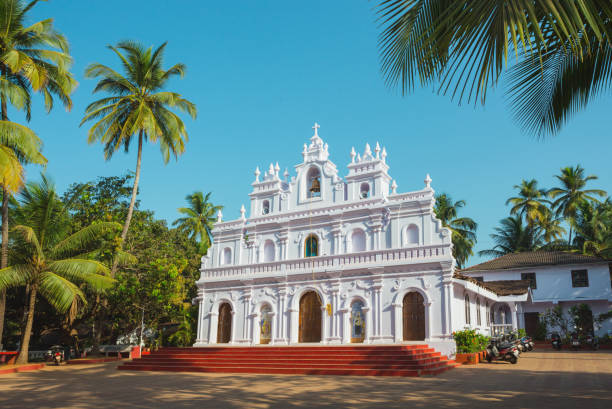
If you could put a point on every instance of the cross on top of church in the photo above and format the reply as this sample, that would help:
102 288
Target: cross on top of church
316 127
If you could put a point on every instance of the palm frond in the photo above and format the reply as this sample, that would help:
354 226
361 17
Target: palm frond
59 292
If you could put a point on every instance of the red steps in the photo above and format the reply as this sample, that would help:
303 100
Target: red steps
395 360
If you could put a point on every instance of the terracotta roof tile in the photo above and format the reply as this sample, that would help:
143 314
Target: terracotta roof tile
532 259
503 287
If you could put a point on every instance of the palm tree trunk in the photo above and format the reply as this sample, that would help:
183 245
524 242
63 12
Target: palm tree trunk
5 231
126 226
569 240
25 340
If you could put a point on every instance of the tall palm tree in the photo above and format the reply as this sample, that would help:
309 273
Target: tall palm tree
463 229
463 47
199 219
137 107
571 193
514 237
33 57
48 261
530 201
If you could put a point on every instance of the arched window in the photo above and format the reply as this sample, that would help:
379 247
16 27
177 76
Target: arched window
269 250
313 184
227 256
364 191
478 320
265 334
467 309
358 240
412 235
311 246
358 322
265 207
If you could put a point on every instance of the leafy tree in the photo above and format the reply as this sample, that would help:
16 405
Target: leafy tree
530 202
463 229
199 219
48 261
33 57
593 224
137 107
561 48
513 236
571 193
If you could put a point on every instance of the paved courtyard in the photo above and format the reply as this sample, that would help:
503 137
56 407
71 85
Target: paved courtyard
543 379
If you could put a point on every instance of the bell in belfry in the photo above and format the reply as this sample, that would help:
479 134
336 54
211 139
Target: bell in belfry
316 186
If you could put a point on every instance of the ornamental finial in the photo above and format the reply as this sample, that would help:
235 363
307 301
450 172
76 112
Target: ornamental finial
377 150
353 154
394 187
316 127
242 212
428 181
219 216
257 173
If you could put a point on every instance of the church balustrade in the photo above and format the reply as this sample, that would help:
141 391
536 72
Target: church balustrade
363 258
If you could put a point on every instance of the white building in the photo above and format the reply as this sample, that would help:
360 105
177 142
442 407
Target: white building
555 278
336 260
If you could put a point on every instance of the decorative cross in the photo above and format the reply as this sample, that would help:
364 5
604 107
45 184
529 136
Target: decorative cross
316 129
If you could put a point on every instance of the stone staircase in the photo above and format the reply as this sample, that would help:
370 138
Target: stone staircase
393 360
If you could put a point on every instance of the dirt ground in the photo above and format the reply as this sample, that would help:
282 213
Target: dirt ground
541 379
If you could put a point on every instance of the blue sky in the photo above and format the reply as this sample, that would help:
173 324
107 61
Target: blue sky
261 72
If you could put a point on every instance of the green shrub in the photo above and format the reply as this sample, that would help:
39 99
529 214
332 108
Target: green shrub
469 341
521 332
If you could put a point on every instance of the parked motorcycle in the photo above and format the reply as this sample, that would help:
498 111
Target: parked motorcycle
502 351
527 343
555 339
574 341
55 354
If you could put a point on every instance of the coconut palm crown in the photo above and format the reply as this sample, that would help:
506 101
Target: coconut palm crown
198 219
530 202
48 261
137 108
463 229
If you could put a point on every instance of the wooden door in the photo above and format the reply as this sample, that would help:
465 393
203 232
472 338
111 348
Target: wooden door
310 317
531 323
224 327
414 317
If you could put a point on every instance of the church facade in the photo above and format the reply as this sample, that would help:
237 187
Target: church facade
335 260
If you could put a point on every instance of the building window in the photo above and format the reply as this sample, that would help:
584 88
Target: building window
412 235
311 246
269 250
478 320
314 182
580 278
266 207
227 256
467 309
364 191
358 240
532 279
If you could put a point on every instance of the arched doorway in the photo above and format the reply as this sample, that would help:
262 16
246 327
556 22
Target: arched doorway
310 318
414 317
265 325
358 322
224 326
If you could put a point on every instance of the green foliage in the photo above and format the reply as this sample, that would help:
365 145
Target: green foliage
198 219
521 332
581 317
463 229
554 318
558 52
469 341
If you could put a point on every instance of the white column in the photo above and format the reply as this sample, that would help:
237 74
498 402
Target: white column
233 334
281 316
448 323
200 319
273 329
346 326
212 332
324 324
293 325
398 325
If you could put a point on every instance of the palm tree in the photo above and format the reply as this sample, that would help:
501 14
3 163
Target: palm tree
48 261
463 229
199 219
530 202
514 237
137 107
571 193
593 223
33 57
463 47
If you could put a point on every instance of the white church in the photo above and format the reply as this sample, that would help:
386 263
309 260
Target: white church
339 259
